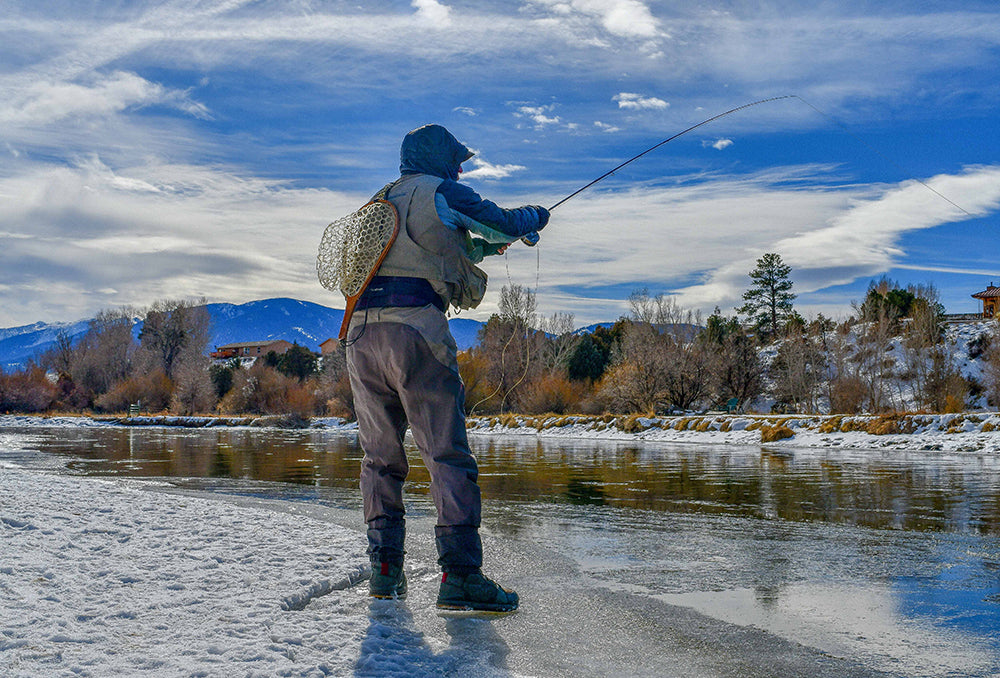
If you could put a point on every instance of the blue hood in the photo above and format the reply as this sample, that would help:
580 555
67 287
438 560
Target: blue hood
432 150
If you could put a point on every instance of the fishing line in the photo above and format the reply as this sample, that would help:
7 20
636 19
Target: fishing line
503 352
874 150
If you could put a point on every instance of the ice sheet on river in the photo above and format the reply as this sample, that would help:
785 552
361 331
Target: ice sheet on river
113 577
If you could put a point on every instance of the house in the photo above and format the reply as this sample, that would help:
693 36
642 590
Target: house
251 349
991 300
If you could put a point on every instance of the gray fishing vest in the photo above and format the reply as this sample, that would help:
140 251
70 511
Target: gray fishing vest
426 248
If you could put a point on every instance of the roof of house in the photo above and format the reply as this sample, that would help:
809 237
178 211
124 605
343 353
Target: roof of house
989 293
252 344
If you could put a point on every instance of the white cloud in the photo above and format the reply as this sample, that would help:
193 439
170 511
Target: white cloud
622 18
635 101
487 170
47 102
718 144
714 231
465 110
862 238
605 127
539 115
152 230
433 12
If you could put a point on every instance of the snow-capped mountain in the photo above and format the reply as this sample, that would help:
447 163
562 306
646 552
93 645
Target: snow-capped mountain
20 344
301 322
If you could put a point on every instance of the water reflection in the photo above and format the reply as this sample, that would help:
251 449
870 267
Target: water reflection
911 491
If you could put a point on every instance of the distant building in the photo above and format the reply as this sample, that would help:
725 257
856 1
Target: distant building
250 349
991 300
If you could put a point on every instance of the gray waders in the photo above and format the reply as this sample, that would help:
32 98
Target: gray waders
404 371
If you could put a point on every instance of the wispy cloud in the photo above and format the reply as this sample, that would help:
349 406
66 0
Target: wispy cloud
623 18
714 231
160 229
46 102
141 139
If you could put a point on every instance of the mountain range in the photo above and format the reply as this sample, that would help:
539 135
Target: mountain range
301 322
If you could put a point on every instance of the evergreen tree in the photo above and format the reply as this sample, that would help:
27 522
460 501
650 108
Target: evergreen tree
298 361
768 302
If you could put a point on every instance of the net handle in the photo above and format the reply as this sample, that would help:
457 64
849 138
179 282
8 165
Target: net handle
352 300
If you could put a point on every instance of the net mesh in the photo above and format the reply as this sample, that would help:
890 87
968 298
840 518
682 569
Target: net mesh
351 247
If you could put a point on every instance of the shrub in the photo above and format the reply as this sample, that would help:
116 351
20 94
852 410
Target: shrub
552 393
847 395
151 389
28 391
770 434
263 390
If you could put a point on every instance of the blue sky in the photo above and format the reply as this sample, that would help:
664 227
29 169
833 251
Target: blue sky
185 148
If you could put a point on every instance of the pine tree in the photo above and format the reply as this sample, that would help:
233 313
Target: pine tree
768 302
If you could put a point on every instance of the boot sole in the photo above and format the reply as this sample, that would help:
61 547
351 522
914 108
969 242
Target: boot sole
389 596
458 608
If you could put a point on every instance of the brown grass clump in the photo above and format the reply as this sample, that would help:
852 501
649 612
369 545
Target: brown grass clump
885 425
632 424
770 434
988 427
831 425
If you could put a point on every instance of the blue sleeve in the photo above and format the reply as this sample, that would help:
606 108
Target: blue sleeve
456 221
513 222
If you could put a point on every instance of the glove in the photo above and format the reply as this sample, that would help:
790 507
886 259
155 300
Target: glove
531 239
543 215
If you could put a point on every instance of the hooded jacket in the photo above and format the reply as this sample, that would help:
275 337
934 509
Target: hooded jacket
434 151
427 249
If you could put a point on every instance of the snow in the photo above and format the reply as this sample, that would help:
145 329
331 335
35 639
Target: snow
108 578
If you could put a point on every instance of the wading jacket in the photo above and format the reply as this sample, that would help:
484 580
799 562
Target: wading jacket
432 246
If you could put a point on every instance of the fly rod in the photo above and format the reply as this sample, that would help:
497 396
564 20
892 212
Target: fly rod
667 141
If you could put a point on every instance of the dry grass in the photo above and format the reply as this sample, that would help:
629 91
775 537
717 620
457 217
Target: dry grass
770 434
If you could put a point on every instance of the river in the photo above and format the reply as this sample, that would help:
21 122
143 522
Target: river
890 560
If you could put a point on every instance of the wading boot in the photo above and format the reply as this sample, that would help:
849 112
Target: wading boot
388 581
474 592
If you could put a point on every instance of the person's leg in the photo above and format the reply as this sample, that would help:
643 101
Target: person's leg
434 399
381 426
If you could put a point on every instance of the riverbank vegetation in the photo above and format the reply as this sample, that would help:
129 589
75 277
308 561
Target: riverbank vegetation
895 354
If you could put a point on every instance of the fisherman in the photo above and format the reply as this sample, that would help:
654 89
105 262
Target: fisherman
403 367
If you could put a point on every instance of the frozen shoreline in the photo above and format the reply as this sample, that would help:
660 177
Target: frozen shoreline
108 577
102 577
969 432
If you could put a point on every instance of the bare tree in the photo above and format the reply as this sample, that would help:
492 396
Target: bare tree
174 332
875 367
798 370
104 355
658 363
510 349
560 340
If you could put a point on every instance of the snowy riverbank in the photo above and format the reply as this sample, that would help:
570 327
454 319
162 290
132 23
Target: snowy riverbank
150 577
102 577
972 432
